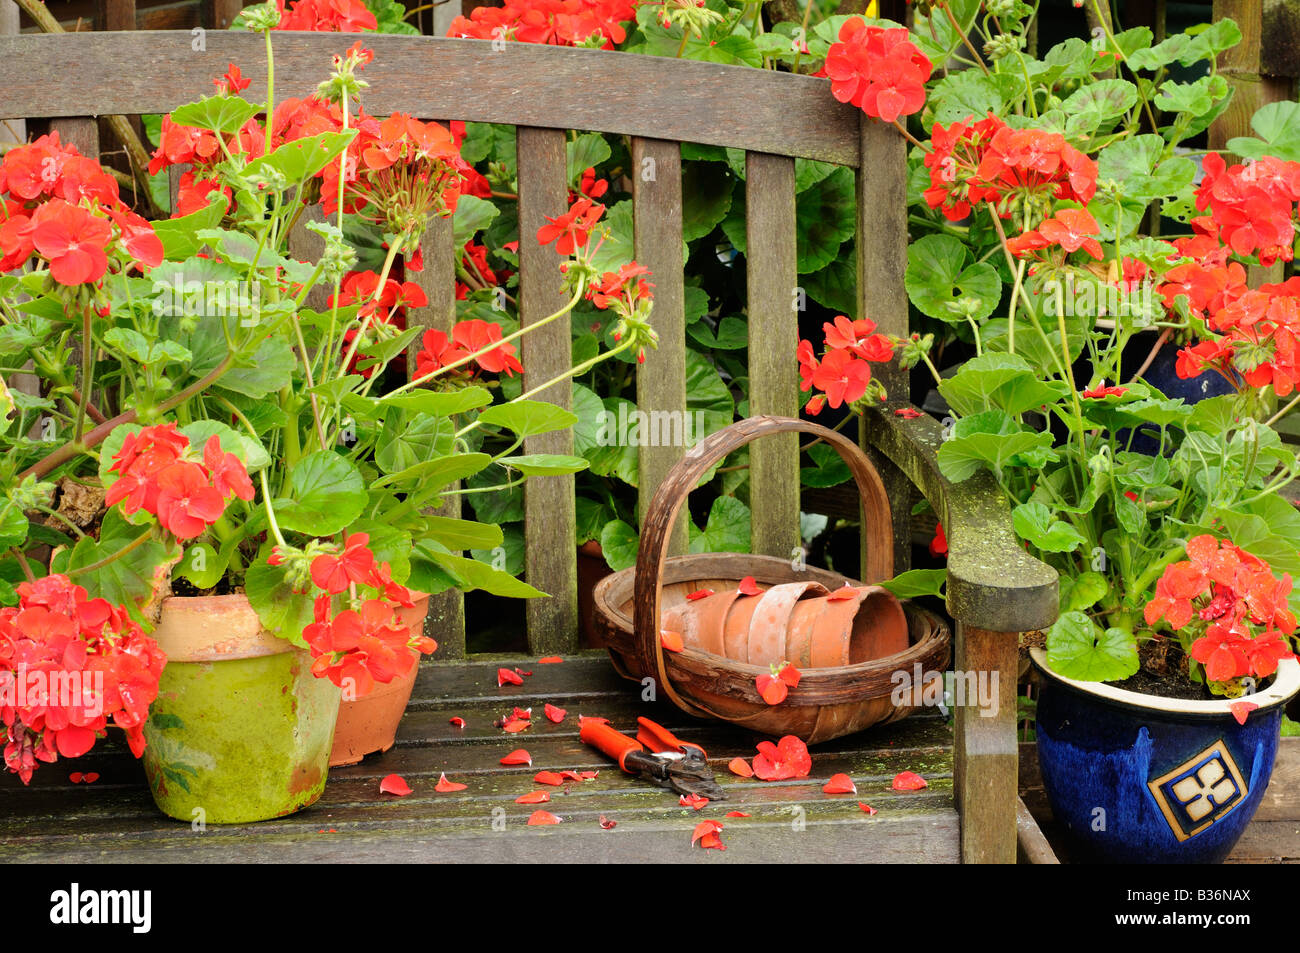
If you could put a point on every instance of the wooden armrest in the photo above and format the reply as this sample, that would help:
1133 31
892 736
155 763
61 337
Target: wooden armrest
993 583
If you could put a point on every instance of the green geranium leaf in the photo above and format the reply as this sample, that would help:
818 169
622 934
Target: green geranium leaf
938 275
727 529
527 418
299 159
1077 648
829 468
280 609
224 114
1278 127
474 574
992 440
1035 522
1082 591
544 464
458 535
326 493
619 543
917 582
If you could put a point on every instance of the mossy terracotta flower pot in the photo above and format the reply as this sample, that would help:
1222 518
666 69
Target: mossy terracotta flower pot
369 724
241 729
1137 778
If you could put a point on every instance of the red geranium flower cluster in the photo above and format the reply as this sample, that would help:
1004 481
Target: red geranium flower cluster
398 173
326 16
878 70
1232 590
467 337
366 642
571 230
843 375
1069 229
64 208
1253 205
385 308
554 22
988 161
68 664
156 473
1260 339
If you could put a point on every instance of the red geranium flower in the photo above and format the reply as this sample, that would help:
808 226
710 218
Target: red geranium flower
73 241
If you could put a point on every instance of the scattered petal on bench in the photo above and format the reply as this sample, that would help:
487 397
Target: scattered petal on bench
75 777
706 833
550 660
749 586
457 722
607 824
840 784
693 801
504 675
1241 711
908 781
533 797
868 808
542 817
549 777
735 814
394 784
554 713
444 786
90 777
518 756
740 767
672 641
699 594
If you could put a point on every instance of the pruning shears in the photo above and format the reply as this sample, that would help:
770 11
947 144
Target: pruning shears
656 755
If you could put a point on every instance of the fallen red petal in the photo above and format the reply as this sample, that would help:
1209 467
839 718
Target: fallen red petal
1241 711
840 784
533 797
712 842
907 412
75 777
550 660
672 641
394 784
525 714
845 591
542 817
90 778
735 814
749 586
607 824
772 690
549 777
789 674
705 828
739 766
518 756
520 671
458 722
908 781
693 801
699 594
504 675
555 714
868 808
444 786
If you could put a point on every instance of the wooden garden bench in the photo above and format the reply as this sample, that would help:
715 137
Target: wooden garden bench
995 589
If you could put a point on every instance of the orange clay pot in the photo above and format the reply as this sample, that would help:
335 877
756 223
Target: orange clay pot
369 724
794 622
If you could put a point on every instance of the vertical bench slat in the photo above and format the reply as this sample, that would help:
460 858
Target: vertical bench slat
661 380
549 505
882 260
218 14
15 130
79 131
114 15
445 623
773 338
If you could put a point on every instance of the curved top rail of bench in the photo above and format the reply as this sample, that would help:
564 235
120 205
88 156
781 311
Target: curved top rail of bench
524 84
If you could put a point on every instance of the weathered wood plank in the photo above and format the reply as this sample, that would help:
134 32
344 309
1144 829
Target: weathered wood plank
881 246
79 131
219 14
986 755
1031 846
661 380
445 623
550 534
567 88
773 302
904 839
10 16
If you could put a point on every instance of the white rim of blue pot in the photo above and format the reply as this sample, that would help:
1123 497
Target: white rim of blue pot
1285 685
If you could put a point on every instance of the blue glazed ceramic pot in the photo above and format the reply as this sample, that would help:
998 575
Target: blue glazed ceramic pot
1142 779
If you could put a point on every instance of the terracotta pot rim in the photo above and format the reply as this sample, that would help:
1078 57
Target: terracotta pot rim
1283 687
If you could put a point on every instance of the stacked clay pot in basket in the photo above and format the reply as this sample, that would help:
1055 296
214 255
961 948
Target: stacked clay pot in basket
803 623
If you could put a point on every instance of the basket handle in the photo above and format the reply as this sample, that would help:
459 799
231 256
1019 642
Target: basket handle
661 515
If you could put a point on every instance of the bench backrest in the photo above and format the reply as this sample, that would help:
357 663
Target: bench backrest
545 91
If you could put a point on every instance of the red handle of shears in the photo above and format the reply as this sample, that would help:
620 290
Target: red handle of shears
613 743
